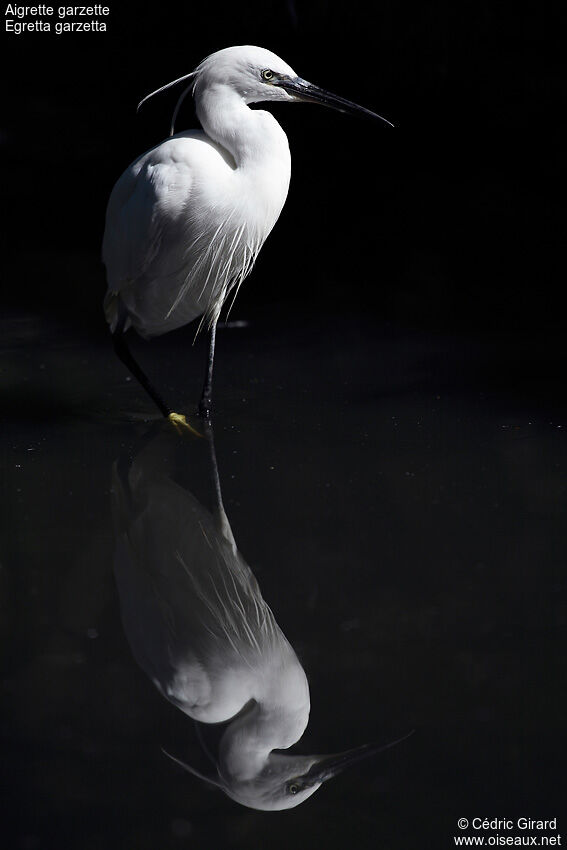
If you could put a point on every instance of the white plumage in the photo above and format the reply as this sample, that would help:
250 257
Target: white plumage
200 628
186 220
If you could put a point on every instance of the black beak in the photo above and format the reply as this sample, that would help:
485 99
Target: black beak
329 766
302 90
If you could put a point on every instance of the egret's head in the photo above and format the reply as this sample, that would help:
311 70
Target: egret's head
285 781
257 75
252 72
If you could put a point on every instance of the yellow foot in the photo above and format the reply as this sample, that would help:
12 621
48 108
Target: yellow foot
181 425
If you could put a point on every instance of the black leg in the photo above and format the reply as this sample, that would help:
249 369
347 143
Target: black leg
122 350
214 465
222 517
206 396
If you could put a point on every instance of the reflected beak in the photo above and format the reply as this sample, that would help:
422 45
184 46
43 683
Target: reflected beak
302 90
328 766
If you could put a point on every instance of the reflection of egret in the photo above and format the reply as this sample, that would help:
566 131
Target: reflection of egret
186 220
200 628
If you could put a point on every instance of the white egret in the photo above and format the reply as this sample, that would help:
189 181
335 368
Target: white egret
200 628
186 220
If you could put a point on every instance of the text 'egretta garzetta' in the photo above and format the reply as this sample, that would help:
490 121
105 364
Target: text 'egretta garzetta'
186 220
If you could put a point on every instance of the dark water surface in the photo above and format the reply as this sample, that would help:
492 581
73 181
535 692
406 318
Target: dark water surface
400 498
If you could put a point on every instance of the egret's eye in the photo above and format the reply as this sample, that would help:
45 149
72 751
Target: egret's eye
293 788
267 74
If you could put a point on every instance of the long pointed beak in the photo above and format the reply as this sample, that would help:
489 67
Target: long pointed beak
329 766
302 90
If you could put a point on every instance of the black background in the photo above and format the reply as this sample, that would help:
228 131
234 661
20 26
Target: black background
419 442
453 219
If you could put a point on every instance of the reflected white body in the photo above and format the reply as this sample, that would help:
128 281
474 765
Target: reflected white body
199 627
195 616
186 220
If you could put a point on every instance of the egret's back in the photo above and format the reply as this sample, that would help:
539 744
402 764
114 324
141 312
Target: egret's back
184 225
192 609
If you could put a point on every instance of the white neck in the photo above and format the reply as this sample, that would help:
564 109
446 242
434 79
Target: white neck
249 135
276 721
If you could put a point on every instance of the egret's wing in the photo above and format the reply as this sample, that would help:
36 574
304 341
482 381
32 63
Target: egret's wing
183 575
191 607
146 215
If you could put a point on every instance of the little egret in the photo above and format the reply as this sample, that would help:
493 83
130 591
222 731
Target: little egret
199 627
186 220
